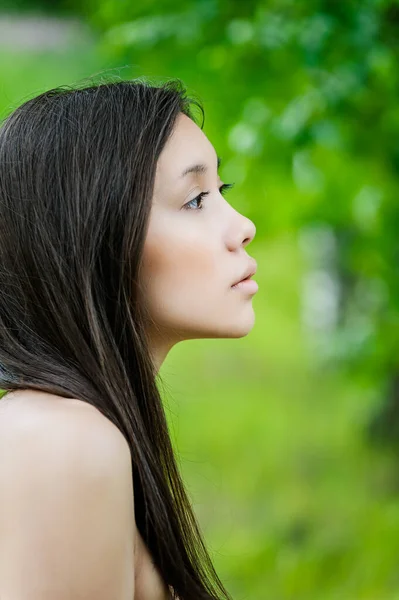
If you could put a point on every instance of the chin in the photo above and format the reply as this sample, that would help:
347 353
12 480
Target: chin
239 329
236 334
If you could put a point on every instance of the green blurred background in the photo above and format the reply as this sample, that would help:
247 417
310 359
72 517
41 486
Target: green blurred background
288 438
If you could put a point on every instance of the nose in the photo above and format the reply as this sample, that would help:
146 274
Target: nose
240 230
248 231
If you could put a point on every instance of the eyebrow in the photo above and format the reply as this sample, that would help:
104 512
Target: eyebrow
199 169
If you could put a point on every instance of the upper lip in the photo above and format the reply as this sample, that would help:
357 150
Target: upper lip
249 271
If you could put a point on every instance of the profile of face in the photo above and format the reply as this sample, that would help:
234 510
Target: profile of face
194 250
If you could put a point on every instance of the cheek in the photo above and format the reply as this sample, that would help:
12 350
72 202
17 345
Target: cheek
178 262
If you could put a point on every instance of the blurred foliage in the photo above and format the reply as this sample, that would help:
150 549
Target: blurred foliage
301 103
37 6
305 95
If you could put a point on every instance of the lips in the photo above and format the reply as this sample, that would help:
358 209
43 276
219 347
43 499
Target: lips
249 271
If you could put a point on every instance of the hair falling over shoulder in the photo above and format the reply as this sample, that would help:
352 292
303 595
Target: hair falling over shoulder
77 170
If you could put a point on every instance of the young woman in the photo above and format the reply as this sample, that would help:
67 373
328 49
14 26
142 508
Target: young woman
116 243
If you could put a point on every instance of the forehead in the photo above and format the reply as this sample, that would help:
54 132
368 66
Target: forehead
187 145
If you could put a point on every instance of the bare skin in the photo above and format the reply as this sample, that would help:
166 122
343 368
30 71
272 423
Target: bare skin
193 256
23 407
191 259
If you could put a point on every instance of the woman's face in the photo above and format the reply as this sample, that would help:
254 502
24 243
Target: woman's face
193 256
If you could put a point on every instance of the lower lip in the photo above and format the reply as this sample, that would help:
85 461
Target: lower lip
247 285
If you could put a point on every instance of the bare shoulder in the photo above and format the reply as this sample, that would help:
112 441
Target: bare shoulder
31 413
66 503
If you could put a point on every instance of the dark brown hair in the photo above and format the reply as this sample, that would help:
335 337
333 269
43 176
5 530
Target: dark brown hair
77 170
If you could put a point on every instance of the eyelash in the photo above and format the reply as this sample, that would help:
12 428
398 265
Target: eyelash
223 189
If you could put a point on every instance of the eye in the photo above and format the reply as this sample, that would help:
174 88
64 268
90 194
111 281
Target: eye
223 189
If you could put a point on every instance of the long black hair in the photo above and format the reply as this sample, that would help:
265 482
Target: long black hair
77 170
